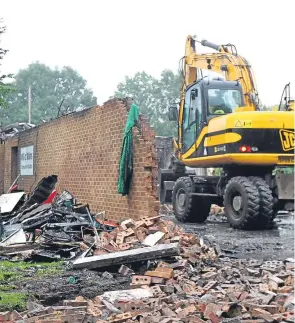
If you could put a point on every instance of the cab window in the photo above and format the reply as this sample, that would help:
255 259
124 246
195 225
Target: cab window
223 101
192 116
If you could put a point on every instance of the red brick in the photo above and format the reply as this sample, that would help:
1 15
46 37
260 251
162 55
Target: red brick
161 272
141 280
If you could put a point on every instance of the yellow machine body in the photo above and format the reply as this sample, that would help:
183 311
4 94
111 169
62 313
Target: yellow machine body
269 135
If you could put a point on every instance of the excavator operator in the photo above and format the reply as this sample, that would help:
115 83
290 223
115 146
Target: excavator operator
223 101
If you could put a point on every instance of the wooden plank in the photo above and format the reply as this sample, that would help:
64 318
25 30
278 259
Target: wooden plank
128 256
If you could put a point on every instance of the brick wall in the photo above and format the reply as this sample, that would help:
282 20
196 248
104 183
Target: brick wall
84 149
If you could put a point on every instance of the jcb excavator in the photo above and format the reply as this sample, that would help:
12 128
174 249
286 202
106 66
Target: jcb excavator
220 125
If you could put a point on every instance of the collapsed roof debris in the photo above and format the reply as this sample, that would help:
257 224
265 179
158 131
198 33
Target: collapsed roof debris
12 129
52 225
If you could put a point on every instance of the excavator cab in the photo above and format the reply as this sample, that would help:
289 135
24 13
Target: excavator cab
205 100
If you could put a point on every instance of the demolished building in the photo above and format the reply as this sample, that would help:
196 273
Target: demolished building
83 149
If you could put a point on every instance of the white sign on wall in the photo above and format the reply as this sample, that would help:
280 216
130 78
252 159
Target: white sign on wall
27 160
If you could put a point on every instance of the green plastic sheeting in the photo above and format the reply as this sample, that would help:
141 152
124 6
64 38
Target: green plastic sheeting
126 161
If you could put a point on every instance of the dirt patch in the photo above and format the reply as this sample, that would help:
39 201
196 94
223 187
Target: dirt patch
275 244
51 282
69 284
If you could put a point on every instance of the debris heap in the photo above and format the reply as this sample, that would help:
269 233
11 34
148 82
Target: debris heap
174 276
196 284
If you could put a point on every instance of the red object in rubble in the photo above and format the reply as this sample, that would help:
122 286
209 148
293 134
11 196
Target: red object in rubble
51 197
14 188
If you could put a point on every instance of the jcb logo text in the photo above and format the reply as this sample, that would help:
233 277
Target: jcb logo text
287 139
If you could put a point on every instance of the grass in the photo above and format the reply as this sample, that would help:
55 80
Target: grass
25 265
13 301
7 288
11 271
13 275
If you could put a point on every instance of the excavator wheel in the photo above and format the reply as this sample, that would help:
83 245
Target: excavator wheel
266 204
186 207
241 203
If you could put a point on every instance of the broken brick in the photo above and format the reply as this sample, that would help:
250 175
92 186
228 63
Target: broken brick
158 280
141 280
211 308
126 271
161 272
75 303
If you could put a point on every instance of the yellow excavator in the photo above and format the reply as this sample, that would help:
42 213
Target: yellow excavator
220 125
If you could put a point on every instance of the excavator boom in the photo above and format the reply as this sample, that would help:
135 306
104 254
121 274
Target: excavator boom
227 62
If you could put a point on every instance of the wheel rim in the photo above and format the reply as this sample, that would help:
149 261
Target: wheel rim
237 204
181 200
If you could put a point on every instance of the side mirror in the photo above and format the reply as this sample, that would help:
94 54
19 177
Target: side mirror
173 114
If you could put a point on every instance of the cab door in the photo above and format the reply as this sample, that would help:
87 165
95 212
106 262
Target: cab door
192 117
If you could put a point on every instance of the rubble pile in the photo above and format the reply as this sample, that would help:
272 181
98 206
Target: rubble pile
185 290
146 239
146 232
174 276
46 225
197 285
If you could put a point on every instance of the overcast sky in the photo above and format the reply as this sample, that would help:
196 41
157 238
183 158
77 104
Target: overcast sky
104 40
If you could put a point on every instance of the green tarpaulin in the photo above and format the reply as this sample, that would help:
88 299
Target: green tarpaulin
126 161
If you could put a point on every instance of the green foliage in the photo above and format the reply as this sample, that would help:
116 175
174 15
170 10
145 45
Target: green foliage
5 89
7 288
14 274
13 301
153 97
218 171
49 88
11 271
285 170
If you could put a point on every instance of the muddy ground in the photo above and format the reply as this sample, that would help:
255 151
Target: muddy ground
275 244
31 281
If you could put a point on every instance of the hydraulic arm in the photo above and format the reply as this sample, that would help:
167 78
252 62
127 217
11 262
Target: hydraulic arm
226 61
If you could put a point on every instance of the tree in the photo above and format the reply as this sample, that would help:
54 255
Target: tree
50 88
153 97
5 89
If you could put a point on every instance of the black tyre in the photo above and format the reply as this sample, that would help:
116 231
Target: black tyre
266 203
186 207
241 202
201 207
182 199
